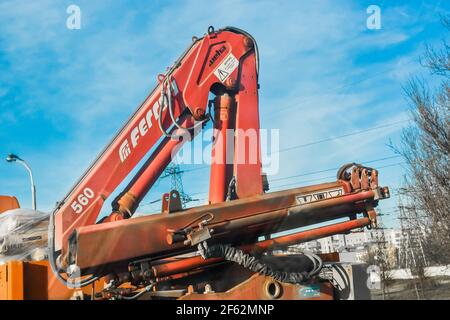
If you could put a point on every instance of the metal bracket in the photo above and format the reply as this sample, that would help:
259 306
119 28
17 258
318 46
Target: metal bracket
372 215
197 236
381 193
171 202
190 235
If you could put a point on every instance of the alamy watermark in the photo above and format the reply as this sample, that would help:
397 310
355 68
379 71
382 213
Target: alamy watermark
373 21
230 146
73 21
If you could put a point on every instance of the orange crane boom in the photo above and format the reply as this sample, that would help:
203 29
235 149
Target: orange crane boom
156 250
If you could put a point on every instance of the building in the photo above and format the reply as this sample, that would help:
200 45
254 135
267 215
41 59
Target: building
356 242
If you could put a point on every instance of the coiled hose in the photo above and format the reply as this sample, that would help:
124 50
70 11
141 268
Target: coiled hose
256 265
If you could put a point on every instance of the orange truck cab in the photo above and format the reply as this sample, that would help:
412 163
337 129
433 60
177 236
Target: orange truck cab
33 280
8 203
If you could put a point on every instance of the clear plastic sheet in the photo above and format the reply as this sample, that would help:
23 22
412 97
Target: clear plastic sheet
23 235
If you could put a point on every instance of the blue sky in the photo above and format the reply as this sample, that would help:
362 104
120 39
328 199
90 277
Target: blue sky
64 93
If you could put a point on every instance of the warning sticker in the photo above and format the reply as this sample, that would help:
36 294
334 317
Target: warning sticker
228 65
320 195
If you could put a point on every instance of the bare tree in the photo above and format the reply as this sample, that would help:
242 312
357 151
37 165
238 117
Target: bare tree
425 147
413 255
378 254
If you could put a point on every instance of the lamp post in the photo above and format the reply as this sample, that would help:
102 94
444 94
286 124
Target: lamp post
14 158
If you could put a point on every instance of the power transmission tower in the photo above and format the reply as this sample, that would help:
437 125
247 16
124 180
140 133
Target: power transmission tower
412 247
382 256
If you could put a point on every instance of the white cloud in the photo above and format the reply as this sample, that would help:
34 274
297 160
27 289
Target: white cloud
309 69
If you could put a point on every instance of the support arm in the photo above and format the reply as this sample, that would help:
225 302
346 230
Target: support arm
209 63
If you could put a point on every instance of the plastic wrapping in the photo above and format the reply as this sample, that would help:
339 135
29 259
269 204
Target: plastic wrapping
23 235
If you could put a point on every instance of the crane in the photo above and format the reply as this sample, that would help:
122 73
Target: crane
177 253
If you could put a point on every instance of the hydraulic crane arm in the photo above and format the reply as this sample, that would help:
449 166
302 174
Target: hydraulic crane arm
223 63
209 64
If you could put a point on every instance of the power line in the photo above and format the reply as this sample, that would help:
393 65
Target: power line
320 171
331 169
312 143
337 88
329 177
322 178
309 180
342 136
302 175
301 146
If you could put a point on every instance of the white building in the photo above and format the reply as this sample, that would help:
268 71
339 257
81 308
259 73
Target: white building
355 241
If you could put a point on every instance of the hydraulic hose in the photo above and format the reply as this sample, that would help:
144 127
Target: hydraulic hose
139 294
166 100
256 265
73 283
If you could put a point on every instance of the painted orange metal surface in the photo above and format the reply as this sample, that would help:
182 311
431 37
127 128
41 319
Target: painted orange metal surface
233 221
152 169
247 153
8 203
260 287
11 281
192 79
192 263
221 167
124 246
34 280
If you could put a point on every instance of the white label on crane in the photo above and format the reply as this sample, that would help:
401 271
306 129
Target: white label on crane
319 195
228 65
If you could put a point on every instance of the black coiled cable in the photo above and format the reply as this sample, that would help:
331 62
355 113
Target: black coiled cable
256 265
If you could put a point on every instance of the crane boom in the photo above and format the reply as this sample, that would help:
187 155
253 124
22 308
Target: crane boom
191 79
144 250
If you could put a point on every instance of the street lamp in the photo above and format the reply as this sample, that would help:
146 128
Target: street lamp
14 158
